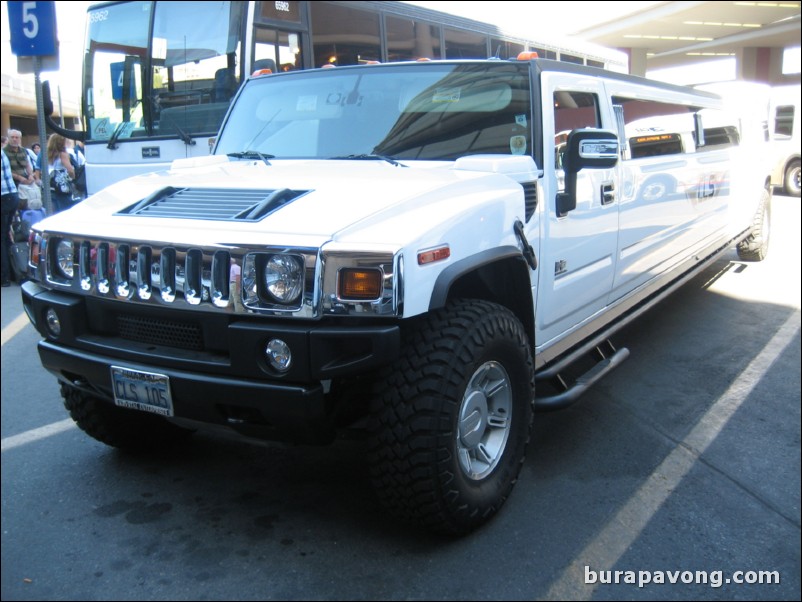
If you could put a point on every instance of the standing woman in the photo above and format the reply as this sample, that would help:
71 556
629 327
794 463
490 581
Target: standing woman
58 160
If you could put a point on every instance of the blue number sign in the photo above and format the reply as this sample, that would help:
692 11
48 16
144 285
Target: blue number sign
33 28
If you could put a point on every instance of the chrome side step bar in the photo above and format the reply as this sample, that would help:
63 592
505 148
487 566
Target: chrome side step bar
607 358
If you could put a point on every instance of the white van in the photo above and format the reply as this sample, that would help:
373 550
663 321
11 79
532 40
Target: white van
785 139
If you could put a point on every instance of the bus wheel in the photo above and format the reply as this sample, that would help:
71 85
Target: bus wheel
451 421
792 174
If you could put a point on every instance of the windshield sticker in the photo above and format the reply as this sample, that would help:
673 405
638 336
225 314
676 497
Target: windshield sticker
518 145
447 95
520 120
100 128
307 103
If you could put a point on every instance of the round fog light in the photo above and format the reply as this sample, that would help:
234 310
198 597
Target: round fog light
52 321
278 355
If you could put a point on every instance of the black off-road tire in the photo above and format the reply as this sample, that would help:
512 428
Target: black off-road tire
755 247
451 421
126 429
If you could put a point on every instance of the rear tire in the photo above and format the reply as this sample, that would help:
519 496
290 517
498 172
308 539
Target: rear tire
126 429
755 247
451 421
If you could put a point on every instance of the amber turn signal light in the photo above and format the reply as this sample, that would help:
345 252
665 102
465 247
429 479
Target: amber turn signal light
360 285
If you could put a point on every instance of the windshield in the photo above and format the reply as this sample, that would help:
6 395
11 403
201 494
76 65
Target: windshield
177 81
427 111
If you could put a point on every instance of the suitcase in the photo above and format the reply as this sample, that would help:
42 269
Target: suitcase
33 216
19 261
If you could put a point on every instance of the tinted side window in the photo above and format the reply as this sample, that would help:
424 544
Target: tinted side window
655 128
784 121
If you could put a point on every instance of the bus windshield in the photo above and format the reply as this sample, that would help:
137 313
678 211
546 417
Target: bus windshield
411 111
160 69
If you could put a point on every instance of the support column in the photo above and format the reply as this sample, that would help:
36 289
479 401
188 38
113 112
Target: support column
637 61
754 64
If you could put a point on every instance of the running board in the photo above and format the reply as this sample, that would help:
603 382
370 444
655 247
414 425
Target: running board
582 383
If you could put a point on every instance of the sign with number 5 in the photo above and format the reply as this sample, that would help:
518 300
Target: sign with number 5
33 28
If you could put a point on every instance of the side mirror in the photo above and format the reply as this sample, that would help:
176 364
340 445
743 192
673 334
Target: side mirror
47 100
47 106
585 148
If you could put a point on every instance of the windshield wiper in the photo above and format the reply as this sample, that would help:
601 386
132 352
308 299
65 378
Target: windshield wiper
371 157
252 154
185 138
115 135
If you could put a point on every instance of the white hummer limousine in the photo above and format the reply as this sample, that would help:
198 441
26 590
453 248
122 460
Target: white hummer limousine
430 251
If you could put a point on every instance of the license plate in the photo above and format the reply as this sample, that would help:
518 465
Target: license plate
144 391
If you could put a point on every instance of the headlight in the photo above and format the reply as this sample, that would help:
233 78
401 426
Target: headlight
64 258
284 277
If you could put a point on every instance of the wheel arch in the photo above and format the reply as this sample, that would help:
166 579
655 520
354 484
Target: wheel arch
500 275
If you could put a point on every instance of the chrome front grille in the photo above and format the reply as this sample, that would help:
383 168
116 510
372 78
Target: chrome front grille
167 275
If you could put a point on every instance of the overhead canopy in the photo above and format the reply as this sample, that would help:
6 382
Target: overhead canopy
673 34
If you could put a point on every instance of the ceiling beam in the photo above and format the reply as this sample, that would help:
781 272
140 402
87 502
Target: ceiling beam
661 11
787 26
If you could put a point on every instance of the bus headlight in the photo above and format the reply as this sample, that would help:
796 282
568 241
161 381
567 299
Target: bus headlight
64 258
284 277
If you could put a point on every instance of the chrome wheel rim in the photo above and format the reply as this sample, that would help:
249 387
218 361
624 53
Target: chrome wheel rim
484 420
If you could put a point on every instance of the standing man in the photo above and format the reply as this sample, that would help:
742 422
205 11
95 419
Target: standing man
20 160
9 204
21 166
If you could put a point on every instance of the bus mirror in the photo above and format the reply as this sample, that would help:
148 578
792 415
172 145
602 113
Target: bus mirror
47 108
585 148
47 101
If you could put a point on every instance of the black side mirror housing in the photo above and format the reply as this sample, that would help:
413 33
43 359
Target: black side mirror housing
585 148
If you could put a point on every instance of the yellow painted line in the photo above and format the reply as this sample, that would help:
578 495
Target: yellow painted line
8 333
14 328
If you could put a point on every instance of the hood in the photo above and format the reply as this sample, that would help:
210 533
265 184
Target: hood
319 200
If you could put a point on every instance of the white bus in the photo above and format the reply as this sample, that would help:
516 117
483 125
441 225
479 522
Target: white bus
159 76
785 139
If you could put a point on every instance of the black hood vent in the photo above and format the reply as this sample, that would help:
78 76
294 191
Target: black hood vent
221 204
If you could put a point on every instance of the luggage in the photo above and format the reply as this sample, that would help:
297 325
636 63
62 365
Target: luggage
20 229
19 261
33 216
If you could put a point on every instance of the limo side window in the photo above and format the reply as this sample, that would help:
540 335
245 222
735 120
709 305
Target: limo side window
654 129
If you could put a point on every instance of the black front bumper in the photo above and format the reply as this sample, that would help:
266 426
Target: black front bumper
229 385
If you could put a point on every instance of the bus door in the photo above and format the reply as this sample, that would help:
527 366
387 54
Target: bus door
278 34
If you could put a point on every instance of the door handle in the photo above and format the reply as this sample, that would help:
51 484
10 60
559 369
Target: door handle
607 193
